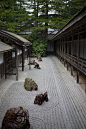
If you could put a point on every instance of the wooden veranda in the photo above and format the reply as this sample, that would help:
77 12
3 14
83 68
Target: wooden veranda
70 43
18 43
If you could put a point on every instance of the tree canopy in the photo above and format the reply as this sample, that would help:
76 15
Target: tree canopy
39 14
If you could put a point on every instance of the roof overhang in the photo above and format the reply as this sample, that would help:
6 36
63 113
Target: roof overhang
76 19
16 38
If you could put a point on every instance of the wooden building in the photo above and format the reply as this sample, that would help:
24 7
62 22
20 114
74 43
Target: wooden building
70 43
4 48
16 56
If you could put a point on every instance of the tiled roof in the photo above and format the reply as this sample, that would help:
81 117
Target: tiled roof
4 47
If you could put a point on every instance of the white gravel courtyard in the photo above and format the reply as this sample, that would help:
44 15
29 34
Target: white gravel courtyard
66 108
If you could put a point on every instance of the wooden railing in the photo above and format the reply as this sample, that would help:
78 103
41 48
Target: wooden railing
78 63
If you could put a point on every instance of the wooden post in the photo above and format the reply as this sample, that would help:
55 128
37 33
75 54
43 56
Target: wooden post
4 66
64 51
78 55
72 44
29 57
77 76
16 58
23 50
72 70
67 66
60 50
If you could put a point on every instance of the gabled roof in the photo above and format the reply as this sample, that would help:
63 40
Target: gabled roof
16 38
4 47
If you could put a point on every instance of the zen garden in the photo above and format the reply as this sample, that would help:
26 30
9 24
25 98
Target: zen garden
42 64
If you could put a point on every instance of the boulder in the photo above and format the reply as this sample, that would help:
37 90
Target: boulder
16 118
30 85
40 98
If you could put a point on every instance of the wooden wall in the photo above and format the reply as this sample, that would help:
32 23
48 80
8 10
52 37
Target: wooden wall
2 65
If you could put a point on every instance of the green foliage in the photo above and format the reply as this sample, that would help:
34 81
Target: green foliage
45 14
39 44
12 15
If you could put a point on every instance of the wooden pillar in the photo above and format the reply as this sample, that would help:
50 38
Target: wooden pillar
60 49
16 58
68 46
67 66
72 70
67 53
4 57
29 57
78 55
23 52
64 50
72 45
77 76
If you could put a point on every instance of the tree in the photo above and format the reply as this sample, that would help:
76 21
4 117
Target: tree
13 14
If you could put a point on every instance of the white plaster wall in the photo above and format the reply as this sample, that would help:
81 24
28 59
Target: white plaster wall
18 52
13 54
25 49
1 58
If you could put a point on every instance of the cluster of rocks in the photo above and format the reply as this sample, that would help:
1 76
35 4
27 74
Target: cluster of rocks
35 63
18 118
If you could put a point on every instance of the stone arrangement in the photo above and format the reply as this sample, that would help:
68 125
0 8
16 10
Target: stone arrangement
16 118
39 57
36 65
31 62
40 98
30 85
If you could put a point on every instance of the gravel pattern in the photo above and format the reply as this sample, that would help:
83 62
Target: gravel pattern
66 108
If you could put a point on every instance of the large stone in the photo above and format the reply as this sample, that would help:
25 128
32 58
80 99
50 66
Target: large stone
30 85
40 98
39 57
16 118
